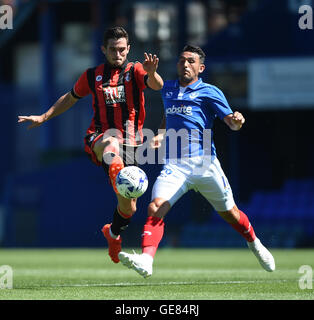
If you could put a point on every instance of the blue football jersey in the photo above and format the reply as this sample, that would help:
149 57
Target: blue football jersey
190 113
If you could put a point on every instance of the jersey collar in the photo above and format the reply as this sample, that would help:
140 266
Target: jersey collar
191 86
122 67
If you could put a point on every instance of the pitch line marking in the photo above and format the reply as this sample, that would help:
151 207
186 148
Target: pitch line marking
126 284
142 284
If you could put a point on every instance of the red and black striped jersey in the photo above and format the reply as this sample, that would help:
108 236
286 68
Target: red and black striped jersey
118 100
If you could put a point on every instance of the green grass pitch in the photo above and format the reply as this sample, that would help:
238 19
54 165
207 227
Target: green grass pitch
179 274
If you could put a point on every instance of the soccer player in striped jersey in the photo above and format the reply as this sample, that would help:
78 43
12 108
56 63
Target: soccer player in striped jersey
193 105
119 112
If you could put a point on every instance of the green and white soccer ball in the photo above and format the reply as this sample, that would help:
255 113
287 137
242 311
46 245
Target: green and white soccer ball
131 182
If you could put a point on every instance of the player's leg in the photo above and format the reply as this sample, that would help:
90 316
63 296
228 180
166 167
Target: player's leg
221 197
214 186
122 216
152 234
107 151
240 222
153 229
168 188
216 189
126 207
120 221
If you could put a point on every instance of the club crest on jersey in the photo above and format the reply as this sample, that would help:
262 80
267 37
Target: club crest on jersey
99 78
127 77
114 94
193 95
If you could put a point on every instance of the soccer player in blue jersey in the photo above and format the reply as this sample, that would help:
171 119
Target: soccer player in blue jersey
192 105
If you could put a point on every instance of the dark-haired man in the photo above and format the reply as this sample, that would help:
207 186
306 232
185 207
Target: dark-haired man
119 112
192 105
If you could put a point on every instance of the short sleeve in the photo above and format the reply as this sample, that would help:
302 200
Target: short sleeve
218 102
81 87
140 75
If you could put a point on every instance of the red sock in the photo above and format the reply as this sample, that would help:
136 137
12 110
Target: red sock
243 226
152 234
114 168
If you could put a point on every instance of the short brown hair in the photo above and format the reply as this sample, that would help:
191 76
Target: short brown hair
115 33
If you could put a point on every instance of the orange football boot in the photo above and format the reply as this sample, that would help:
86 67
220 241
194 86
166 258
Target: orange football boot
114 245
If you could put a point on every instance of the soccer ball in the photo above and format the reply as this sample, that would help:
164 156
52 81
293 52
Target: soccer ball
131 182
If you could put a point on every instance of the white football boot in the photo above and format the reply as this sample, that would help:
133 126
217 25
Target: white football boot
141 263
264 257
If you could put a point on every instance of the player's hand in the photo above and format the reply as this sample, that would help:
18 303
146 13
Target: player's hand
35 121
150 63
237 120
155 143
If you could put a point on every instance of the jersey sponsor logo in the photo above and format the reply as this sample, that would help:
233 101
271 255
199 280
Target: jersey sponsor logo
180 110
114 94
99 78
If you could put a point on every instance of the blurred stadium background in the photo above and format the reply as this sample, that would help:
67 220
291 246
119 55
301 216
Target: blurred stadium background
51 195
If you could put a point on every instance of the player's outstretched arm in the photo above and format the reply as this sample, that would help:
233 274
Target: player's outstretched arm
234 120
62 104
150 65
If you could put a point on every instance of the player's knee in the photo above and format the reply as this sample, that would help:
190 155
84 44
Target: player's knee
158 208
111 144
106 145
153 207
